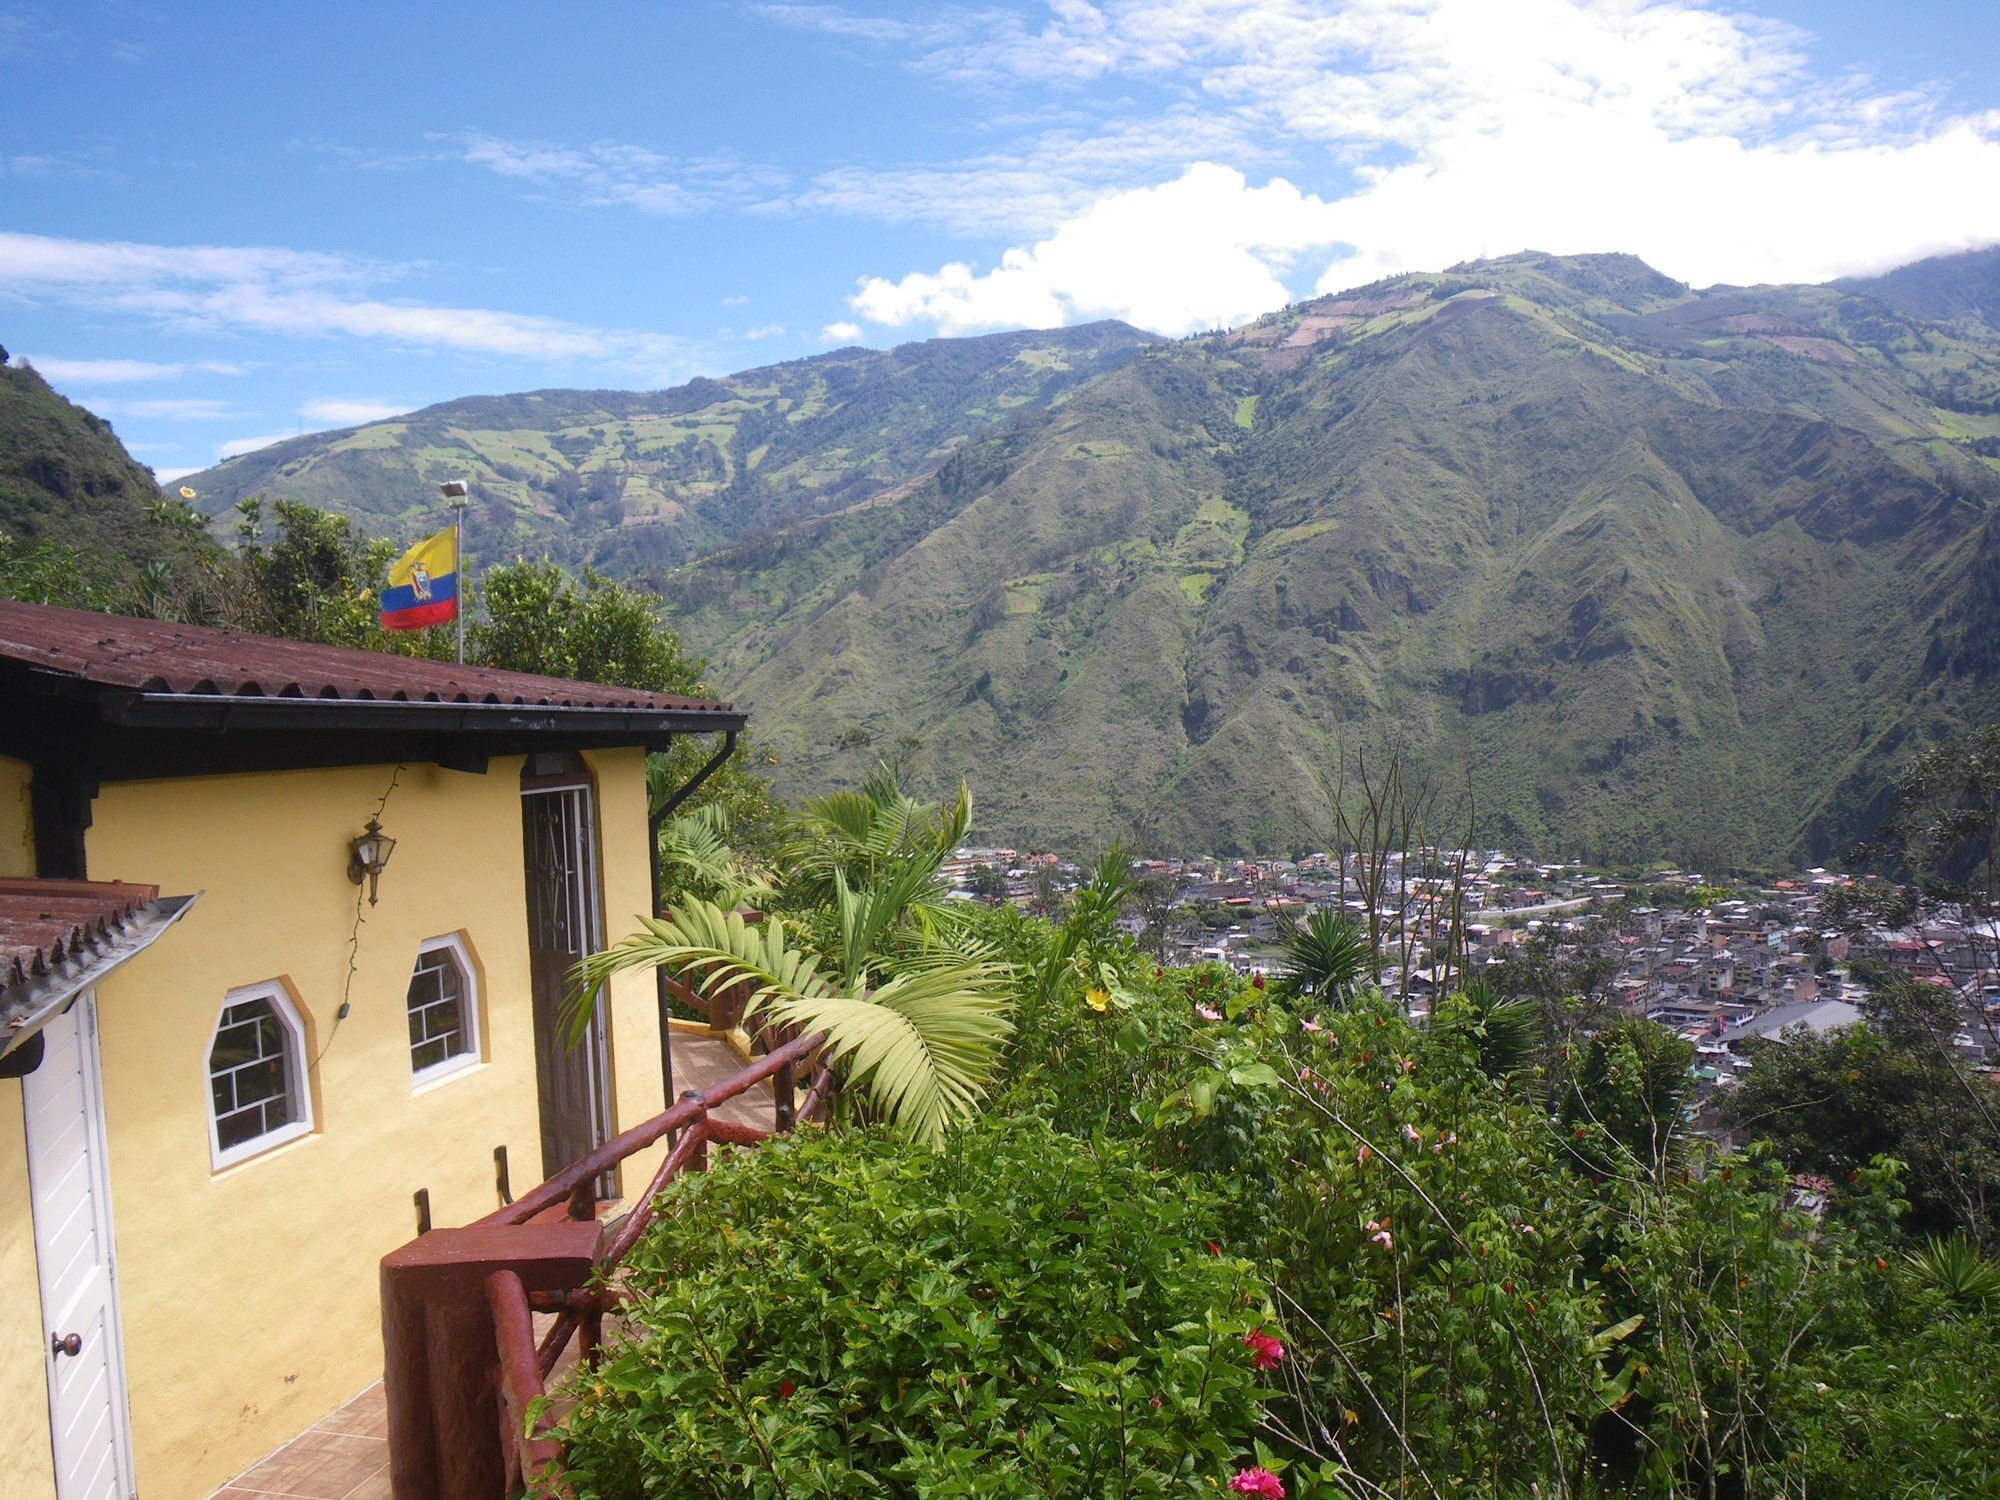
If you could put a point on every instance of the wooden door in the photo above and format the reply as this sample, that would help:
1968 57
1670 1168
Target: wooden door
562 929
70 1191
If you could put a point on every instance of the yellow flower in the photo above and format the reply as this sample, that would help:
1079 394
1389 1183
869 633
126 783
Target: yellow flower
186 493
1097 999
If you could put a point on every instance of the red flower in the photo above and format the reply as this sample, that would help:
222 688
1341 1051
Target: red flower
785 1390
1257 980
1258 1482
1266 1352
1213 1248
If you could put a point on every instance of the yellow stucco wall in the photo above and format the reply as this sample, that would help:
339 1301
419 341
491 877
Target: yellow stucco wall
29 1472
17 826
250 1294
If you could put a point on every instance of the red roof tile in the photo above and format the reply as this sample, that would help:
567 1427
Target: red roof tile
154 657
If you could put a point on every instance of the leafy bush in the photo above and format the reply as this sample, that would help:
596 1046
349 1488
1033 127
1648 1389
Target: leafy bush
1016 1313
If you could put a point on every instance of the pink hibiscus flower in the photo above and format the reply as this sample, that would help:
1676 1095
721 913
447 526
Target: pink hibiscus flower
1258 1482
1266 1352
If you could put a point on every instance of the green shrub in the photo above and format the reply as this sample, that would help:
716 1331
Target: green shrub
1016 1313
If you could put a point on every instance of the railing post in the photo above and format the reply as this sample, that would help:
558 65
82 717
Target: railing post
439 1353
783 1097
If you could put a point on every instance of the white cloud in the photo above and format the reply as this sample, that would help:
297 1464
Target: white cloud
1697 138
1203 250
307 294
168 409
1033 186
618 174
736 299
840 333
237 447
341 411
836 20
765 331
118 371
168 476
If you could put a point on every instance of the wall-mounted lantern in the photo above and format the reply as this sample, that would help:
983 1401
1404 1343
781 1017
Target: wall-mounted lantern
369 855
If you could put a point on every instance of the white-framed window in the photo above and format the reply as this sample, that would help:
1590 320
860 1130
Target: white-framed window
443 1005
257 1094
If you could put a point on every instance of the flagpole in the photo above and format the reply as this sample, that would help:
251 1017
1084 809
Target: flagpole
458 583
456 492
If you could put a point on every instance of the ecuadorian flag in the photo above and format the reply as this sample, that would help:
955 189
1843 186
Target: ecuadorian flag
423 584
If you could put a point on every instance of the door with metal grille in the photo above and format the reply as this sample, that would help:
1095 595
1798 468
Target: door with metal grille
564 927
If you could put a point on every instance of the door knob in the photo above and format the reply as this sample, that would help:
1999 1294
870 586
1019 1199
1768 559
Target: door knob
68 1343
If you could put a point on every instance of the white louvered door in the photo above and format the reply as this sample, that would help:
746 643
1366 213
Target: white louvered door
69 1183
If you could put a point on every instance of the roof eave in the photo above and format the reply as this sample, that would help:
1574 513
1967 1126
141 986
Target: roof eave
220 712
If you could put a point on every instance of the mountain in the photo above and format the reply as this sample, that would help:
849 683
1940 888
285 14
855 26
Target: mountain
1661 571
1655 571
66 479
1962 290
628 480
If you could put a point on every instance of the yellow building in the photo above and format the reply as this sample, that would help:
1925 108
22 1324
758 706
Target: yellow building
206 1150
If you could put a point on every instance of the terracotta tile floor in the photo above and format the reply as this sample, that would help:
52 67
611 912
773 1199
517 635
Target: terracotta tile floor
700 1063
342 1457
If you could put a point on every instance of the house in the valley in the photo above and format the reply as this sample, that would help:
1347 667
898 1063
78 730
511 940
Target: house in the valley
248 1043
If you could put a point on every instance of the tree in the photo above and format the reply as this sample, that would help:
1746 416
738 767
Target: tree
1631 1082
539 619
1831 1104
986 882
318 579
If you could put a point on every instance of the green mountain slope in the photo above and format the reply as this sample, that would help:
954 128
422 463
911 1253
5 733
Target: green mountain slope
66 479
631 480
1664 572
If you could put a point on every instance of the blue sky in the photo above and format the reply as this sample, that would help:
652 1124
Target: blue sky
225 223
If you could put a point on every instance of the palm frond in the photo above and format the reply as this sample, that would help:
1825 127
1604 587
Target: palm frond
1328 959
701 941
1505 1033
1954 1266
925 1044
866 834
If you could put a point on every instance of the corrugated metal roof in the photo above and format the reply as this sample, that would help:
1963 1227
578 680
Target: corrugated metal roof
45 923
151 656
61 936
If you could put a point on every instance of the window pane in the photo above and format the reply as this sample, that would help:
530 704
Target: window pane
437 1009
252 1087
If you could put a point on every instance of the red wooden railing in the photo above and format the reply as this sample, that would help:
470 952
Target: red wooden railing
459 1417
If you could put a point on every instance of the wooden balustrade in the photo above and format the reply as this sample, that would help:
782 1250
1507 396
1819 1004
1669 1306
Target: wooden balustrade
435 1405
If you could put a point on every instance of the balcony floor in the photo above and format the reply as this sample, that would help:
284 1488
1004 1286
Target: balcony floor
341 1457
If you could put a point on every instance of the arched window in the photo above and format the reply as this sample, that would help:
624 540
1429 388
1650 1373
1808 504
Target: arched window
444 1010
257 1095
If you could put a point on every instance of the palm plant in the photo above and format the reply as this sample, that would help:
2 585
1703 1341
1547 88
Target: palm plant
1954 1266
697 859
1506 1032
1073 951
1328 959
914 1013
860 835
